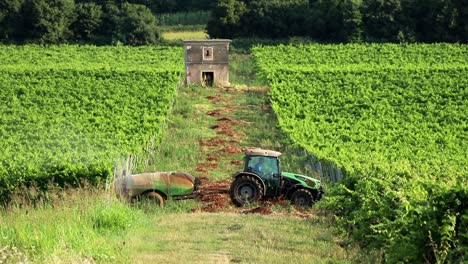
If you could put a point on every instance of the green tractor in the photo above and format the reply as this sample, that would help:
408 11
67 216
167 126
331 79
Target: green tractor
262 179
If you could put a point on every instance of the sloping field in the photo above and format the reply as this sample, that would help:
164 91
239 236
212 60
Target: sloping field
395 118
68 112
206 132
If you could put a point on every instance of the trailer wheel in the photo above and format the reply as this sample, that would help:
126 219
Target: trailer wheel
302 198
246 189
154 198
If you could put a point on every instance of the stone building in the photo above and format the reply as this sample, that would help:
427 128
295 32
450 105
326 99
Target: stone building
207 62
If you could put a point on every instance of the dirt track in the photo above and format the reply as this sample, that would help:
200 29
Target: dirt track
215 195
222 148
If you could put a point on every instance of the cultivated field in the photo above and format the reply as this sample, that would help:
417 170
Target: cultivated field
394 117
71 112
204 134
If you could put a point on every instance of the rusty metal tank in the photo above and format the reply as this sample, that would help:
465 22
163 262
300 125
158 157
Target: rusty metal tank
169 184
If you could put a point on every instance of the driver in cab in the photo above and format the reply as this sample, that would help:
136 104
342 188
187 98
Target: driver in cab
258 168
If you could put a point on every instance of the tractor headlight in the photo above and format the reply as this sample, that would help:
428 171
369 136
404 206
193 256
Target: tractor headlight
309 182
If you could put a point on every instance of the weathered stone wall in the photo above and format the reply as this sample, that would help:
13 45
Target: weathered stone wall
207 56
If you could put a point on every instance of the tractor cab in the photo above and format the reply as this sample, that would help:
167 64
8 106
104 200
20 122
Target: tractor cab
262 178
266 165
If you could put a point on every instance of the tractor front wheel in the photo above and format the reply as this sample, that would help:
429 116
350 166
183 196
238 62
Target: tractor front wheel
302 198
246 189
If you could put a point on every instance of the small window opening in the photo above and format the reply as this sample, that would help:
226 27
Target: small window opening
207 78
207 53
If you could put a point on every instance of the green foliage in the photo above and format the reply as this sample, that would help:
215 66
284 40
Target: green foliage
381 19
225 19
78 225
137 25
394 117
275 19
115 217
130 24
88 20
342 20
63 21
174 6
335 21
49 21
184 18
260 18
67 119
9 13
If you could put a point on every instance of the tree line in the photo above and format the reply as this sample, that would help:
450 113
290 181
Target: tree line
87 21
134 22
343 20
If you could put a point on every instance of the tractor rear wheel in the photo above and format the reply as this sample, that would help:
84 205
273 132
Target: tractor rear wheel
302 198
246 189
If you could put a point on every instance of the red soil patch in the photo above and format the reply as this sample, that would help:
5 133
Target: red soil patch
216 112
221 126
224 129
229 90
303 214
214 195
229 120
207 165
231 150
201 169
215 99
236 162
212 158
213 142
228 108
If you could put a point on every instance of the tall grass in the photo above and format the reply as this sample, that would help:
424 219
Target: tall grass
78 226
74 225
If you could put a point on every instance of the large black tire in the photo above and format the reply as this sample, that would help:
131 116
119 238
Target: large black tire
302 198
246 189
154 198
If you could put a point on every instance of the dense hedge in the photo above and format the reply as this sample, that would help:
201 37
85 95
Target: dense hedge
343 20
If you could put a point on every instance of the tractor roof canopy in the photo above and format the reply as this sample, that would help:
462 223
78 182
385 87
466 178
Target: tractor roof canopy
262 152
